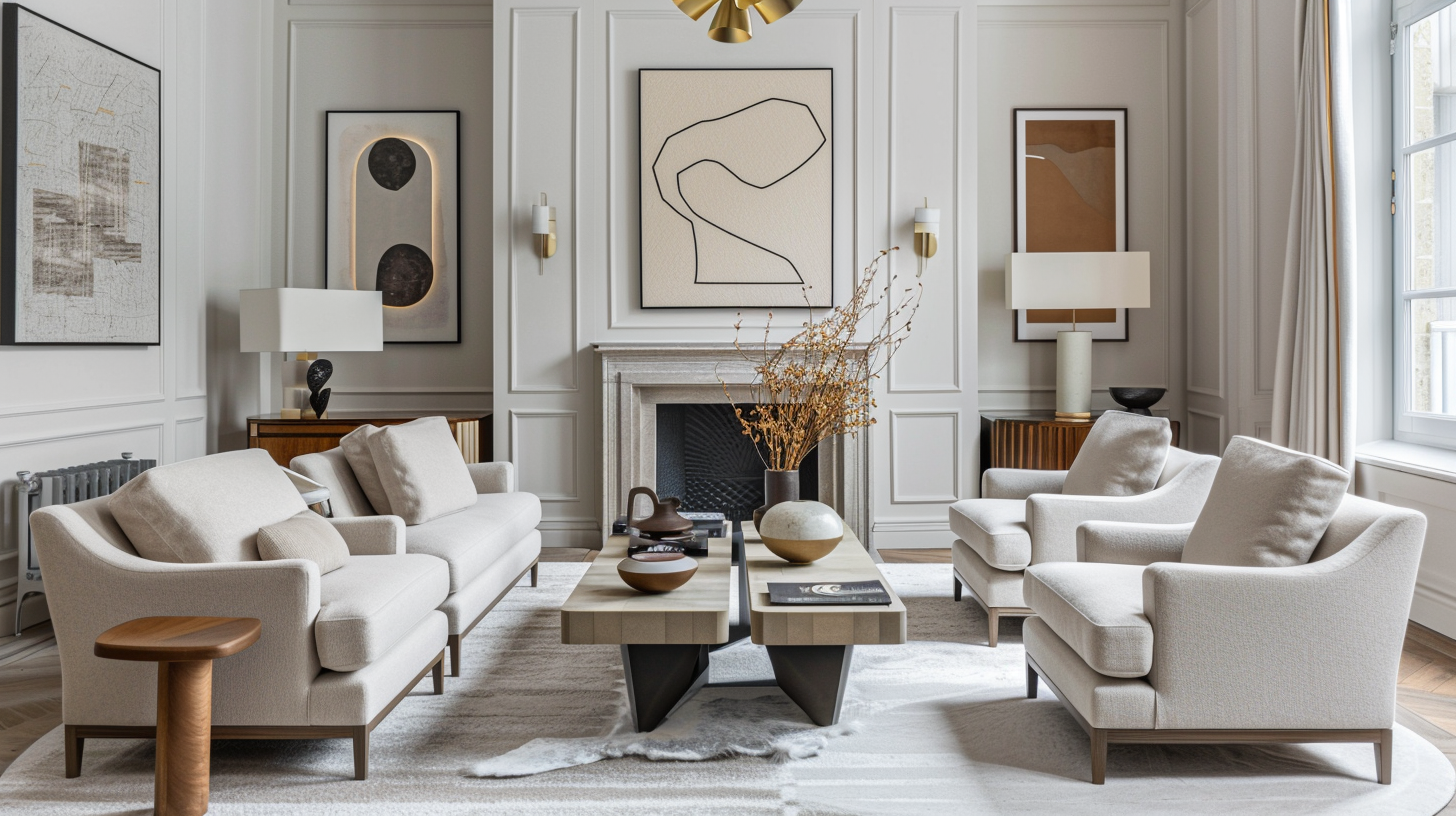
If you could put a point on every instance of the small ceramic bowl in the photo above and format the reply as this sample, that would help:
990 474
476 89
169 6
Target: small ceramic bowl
801 532
656 571
1137 400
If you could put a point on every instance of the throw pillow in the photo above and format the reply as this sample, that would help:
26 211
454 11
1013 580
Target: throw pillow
1268 507
1123 456
306 535
422 470
206 510
355 446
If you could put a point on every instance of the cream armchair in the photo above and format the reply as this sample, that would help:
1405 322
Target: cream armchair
1023 518
1146 649
338 651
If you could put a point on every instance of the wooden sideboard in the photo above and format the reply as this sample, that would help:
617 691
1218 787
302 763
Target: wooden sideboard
1035 440
287 438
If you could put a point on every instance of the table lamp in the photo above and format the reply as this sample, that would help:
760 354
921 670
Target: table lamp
305 322
1072 281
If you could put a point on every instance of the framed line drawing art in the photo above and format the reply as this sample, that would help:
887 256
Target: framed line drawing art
80 189
1069 172
736 188
392 217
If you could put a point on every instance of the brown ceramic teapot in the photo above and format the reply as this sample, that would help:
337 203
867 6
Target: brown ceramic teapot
664 520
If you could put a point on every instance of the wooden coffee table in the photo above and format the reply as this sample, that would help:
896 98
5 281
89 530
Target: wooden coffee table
811 646
183 648
666 639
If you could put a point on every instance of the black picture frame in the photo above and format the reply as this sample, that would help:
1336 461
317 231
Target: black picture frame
459 222
10 163
1016 206
797 297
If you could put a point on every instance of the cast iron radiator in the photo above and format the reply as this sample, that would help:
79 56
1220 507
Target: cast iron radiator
62 486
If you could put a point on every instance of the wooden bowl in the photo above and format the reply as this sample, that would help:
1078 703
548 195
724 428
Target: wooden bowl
655 572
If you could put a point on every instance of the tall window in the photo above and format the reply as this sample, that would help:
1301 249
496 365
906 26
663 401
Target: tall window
1425 223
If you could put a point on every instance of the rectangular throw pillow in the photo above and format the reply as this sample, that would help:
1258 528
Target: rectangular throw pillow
306 535
1268 507
206 510
355 446
1123 456
422 471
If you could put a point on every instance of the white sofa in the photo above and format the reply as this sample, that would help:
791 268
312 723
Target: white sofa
488 547
1023 518
337 653
1145 648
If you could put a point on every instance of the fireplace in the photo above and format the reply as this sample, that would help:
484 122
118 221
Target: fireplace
704 459
649 392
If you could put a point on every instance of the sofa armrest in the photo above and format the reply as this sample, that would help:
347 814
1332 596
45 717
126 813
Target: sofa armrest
493 477
1122 542
1015 483
1054 519
372 535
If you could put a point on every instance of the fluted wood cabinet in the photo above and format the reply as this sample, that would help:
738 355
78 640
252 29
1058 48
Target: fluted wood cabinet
1034 440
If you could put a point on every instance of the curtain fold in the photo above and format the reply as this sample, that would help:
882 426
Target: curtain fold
1314 387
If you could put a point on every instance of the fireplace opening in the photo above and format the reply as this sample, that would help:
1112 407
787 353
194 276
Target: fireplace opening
704 459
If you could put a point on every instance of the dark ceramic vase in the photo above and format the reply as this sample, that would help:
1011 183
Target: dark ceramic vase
778 486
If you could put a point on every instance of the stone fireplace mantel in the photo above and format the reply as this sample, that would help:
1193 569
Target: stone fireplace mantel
638 377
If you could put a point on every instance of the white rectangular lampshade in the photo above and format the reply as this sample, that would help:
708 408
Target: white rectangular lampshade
298 320
1078 280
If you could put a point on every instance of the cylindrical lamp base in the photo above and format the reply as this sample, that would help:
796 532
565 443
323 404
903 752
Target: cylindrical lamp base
1074 375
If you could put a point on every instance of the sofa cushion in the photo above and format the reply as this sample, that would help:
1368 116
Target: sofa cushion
205 510
995 529
370 603
472 540
1097 609
355 445
1123 455
422 470
308 536
1268 507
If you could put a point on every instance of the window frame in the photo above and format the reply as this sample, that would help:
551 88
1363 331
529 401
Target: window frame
1420 427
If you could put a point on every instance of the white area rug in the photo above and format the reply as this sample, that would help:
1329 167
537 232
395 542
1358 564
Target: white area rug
939 726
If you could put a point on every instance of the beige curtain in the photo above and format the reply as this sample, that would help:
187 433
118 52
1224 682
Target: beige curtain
1314 383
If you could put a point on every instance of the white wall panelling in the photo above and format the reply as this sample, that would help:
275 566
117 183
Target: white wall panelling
924 457
1434 604
1206 431
544 447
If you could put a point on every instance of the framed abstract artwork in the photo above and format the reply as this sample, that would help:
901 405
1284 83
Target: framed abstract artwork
392 215
80 189
737 188
1069 169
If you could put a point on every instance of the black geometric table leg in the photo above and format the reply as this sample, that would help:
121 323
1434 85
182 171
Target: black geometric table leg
813 677
660 678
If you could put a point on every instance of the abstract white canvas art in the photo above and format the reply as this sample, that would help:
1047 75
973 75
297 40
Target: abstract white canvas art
737 188
81 186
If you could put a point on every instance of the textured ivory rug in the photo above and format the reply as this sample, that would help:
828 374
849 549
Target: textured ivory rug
940 725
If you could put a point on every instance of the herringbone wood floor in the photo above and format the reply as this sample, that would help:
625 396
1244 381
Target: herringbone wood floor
30 675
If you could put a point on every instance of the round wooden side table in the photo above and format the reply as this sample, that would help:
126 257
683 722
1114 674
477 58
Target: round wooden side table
183 648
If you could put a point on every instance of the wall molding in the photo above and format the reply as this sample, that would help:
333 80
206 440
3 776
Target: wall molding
896 460
87 433
519 415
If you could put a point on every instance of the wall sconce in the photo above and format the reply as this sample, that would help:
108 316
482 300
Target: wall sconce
927 227
543 225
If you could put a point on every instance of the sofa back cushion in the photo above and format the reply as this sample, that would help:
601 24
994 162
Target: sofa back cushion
422 470
1123 455
1269 507
206 510
355 446
306 535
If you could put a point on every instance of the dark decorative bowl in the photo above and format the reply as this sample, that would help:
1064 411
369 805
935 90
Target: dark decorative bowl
1137 400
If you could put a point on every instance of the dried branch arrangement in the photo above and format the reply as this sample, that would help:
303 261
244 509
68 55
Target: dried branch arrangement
820 382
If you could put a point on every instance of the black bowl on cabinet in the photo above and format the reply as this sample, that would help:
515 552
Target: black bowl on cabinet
1137 400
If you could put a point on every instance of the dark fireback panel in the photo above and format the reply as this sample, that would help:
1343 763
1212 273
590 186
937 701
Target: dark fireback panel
704 459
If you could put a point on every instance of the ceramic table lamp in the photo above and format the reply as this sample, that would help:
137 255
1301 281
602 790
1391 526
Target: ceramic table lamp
1070 281
305 322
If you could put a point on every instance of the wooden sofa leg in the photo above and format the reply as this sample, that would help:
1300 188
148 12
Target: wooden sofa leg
993 626
361 752
454 643
74 746
536 574
957 588
1385 756
438 674
1099 756
1032 682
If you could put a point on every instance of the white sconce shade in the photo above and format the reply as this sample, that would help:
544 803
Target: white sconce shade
1078 280
296 320
541 219
927 231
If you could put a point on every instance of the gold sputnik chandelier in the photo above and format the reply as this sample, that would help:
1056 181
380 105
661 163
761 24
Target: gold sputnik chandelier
731 24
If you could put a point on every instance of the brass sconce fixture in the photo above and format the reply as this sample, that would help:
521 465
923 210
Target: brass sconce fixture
543 226
927 227
732 24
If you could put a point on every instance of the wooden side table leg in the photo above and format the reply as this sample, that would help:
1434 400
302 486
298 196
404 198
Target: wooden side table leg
184 737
